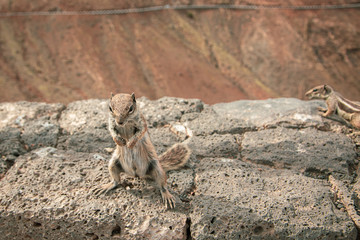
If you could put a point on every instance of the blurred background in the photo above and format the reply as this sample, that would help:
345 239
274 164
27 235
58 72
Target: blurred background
278 49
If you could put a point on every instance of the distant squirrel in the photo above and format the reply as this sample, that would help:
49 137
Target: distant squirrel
336 104
135 153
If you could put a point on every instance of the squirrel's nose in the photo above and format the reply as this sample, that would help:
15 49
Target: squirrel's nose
120 122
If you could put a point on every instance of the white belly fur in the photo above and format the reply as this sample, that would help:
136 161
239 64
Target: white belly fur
132 162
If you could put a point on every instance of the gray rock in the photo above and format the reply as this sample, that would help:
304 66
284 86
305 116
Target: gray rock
16 114
237 200
85 115
258 171
210 122
25 126
162 138
84 125
87 141
312 152
272 111
10 148
215 145
169 110
40 132
10 142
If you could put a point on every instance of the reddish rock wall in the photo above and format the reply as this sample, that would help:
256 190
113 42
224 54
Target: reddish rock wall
215 55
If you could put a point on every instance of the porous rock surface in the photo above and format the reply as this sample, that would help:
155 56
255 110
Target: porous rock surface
258 170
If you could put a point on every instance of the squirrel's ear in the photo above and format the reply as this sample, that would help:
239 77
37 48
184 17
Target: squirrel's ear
111 96
133 97
327 88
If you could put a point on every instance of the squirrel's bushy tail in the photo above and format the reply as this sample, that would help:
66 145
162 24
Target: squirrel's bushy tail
175 157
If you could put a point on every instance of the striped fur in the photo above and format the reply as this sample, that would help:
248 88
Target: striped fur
175 157
347 105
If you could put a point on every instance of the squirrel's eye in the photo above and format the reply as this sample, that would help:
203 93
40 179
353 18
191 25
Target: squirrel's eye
315 90
110 109
131 109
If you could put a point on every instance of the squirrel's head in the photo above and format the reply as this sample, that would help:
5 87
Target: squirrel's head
122 106
319 92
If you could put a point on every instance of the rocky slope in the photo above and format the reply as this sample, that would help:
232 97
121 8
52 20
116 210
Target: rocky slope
215 55
259 170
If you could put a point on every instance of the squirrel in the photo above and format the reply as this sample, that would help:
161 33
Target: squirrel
135 154
336 104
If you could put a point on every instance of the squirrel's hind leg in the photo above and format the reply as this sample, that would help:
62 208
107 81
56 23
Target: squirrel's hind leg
114 169
156 172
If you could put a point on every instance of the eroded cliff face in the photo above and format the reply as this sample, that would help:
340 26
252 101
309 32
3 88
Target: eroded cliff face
215 55
258 170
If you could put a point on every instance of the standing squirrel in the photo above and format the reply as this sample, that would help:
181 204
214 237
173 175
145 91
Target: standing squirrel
135 153
337 104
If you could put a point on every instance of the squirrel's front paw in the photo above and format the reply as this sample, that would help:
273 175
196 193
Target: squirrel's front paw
119 141
322 110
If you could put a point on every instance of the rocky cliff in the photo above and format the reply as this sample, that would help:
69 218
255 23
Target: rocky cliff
259 170
217 55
